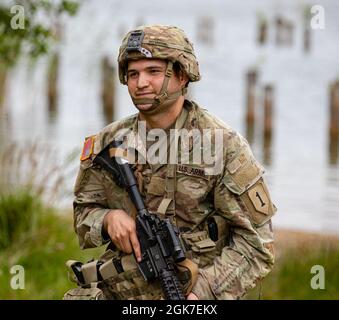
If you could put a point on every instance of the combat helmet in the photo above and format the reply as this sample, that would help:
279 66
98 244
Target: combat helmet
159 42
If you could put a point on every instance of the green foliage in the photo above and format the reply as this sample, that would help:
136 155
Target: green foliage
19 215
10 40
32 234
43 254
34 38
291 276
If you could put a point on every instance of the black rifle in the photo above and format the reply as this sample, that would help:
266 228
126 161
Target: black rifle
160 244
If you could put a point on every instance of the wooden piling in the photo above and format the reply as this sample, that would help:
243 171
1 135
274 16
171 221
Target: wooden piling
205 30
307 39
267 146
251 80
107 89
250 94
279 30
333 150
334 109
52 86
334 122
262 30
307 31
268 123
268 110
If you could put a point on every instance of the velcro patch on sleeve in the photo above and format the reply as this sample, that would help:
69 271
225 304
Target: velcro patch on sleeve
87 150
260 198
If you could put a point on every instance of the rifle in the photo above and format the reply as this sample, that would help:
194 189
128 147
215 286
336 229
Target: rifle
160 244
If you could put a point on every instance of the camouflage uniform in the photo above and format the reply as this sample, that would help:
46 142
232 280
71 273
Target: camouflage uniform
236 199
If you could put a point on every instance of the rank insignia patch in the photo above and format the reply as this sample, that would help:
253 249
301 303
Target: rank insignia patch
87 150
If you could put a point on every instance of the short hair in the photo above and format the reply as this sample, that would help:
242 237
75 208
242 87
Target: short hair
178 69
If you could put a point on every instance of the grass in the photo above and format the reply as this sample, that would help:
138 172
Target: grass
32 234
41 240
42 254
42 245
291 276
19 219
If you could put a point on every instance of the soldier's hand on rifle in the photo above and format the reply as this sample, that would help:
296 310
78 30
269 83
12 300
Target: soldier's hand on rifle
122 230
192 296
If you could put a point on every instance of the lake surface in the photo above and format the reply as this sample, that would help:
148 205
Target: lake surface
303 183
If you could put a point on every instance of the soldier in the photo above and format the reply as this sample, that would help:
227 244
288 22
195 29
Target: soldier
224 215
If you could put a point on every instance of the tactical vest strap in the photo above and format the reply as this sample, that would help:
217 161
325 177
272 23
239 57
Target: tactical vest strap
170 189
89 271
108 270
171 177
164 205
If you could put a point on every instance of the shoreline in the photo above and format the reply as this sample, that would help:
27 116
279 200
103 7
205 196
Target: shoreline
291 239
280 232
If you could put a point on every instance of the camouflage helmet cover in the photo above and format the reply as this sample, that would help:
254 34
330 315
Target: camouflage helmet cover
158 42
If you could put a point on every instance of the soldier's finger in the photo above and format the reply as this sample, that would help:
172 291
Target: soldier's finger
136 246
125 246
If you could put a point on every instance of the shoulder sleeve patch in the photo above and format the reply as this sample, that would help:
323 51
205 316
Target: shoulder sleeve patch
243 172
259 197
258 203
87 150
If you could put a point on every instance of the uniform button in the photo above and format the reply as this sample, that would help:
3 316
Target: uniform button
147 179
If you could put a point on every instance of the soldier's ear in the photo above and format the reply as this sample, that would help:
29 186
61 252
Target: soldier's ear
183 78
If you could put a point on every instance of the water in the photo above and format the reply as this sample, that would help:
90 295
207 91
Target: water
304 186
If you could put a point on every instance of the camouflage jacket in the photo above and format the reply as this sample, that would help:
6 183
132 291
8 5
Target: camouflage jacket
235 196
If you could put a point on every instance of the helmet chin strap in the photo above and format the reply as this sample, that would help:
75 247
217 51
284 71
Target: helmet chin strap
163 99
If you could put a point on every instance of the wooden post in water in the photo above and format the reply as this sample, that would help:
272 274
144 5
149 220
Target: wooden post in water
53 71
334 109
262 29
307 31
268 122
52 86
251 78
268 110
206 30
334 122
279 30
250 92
107 89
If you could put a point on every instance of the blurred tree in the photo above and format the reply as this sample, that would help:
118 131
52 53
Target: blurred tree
27 26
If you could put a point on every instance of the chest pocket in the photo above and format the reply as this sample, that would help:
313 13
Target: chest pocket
154 191
193 185
156 186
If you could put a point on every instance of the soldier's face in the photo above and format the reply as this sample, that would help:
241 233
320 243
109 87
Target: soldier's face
145 78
